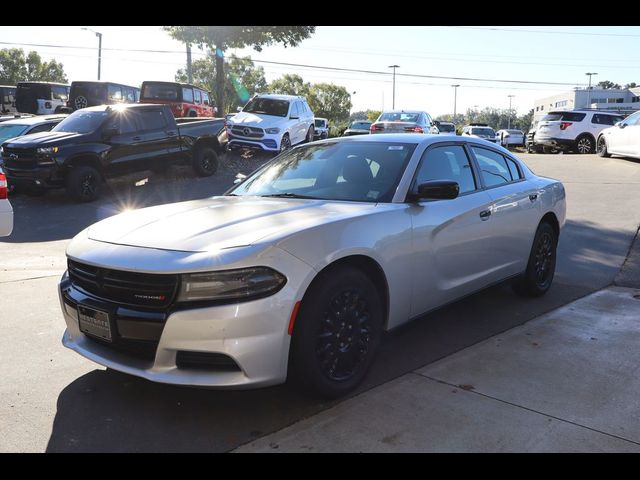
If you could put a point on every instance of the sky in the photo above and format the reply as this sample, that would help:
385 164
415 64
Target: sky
560 54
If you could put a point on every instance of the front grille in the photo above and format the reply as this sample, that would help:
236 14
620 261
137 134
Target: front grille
142 349
205 361
247 132
19 157
147 290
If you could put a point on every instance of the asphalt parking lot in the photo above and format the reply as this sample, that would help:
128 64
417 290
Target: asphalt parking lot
54 400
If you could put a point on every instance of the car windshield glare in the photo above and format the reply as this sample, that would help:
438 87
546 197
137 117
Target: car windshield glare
267 106
81 121
348 171
10 131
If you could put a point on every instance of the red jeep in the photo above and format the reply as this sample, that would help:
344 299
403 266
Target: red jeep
185 100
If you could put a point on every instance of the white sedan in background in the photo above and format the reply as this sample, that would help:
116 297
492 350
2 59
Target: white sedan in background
296 272
6 212
511 137
621 139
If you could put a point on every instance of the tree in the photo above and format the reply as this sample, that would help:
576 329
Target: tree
219 38
372 115
631 85
290 84
361 115
242 79
15 67
606 85
330 101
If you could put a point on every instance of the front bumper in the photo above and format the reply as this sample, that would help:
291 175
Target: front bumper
42 176
252 334
269 143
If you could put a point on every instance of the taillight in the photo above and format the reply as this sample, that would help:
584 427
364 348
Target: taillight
4 190
415 129
375 127
564 125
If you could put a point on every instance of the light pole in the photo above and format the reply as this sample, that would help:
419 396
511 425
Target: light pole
589 101
455 99
393 102
510 97
99 35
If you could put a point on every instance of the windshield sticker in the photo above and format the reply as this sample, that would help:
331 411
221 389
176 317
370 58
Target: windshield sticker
395 147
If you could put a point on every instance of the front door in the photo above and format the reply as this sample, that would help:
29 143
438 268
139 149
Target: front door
452 239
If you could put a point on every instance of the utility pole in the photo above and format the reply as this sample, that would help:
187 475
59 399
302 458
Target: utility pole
189 69
510 97
99 35
590 75
455 99
393 102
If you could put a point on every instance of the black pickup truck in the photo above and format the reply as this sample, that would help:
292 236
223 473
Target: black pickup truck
96 143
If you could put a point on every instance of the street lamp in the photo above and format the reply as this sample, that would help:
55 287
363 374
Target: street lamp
455 98
590 74
393 102
99 35
510 97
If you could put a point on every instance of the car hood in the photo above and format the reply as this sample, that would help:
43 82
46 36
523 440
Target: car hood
44 139
218 223
253 120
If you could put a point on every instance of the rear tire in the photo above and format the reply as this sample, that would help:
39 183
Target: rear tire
84 183
336 334
602 147
541 266
205 161
585 144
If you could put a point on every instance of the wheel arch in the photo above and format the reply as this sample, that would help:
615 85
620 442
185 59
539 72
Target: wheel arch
208 142
550 218
370 267
85 159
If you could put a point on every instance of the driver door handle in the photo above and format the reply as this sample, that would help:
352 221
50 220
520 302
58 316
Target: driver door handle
533 197
136 138
485 214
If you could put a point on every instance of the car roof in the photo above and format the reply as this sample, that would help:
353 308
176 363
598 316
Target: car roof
277 96
404 111
27 121
412 138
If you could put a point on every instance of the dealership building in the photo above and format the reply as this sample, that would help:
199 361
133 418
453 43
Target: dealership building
624 100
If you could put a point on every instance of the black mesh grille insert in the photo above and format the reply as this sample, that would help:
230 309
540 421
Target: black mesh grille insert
206 361
130 288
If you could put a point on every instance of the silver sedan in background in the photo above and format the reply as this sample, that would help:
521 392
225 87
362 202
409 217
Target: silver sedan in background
404 122
296 272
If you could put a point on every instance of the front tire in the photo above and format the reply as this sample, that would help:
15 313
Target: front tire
602 147
310 133
285 143
205 161
336 334
84 183
541 266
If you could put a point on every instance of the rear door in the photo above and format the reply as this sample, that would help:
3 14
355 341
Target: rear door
515 211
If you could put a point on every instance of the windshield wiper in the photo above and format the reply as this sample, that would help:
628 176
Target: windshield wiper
290 195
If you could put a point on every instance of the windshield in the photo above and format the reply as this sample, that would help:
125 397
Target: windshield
443 127
81 121
399 117
160 91
361 125
267 106
320 123
10 131
352 171
483 131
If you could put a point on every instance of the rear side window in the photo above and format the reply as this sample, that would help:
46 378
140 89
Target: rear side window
601 119
187 95
494 169
446 163
152 120
59 93
114 93
197 95
205 98
565 116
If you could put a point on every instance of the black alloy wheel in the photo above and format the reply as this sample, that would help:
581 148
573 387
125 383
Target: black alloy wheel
541 266
602 147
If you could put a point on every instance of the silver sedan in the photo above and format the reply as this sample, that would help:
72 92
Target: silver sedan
296 272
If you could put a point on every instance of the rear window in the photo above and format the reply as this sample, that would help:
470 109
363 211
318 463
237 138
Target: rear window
564 116
399 117
160 91
482 131
446 128
320 123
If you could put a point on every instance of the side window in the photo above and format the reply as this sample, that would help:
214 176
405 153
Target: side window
601 119
59 93
45 127
446 163
294 110
130 95
493 167
205 98
128 122
137 90
513 169
197 96
187 95
633 119
114 93
152 120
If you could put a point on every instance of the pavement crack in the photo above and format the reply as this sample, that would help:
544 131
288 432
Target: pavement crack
475 392
30 278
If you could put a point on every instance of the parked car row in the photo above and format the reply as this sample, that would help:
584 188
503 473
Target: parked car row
44 98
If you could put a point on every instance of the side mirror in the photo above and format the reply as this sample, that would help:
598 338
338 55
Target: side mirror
437 190
238 109
239 178
621 124
294 117
107 133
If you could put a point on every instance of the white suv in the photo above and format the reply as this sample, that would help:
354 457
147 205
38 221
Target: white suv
271 122
575 130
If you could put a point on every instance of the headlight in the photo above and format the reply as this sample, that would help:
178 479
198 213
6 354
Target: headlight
240 284
47 150
272 130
